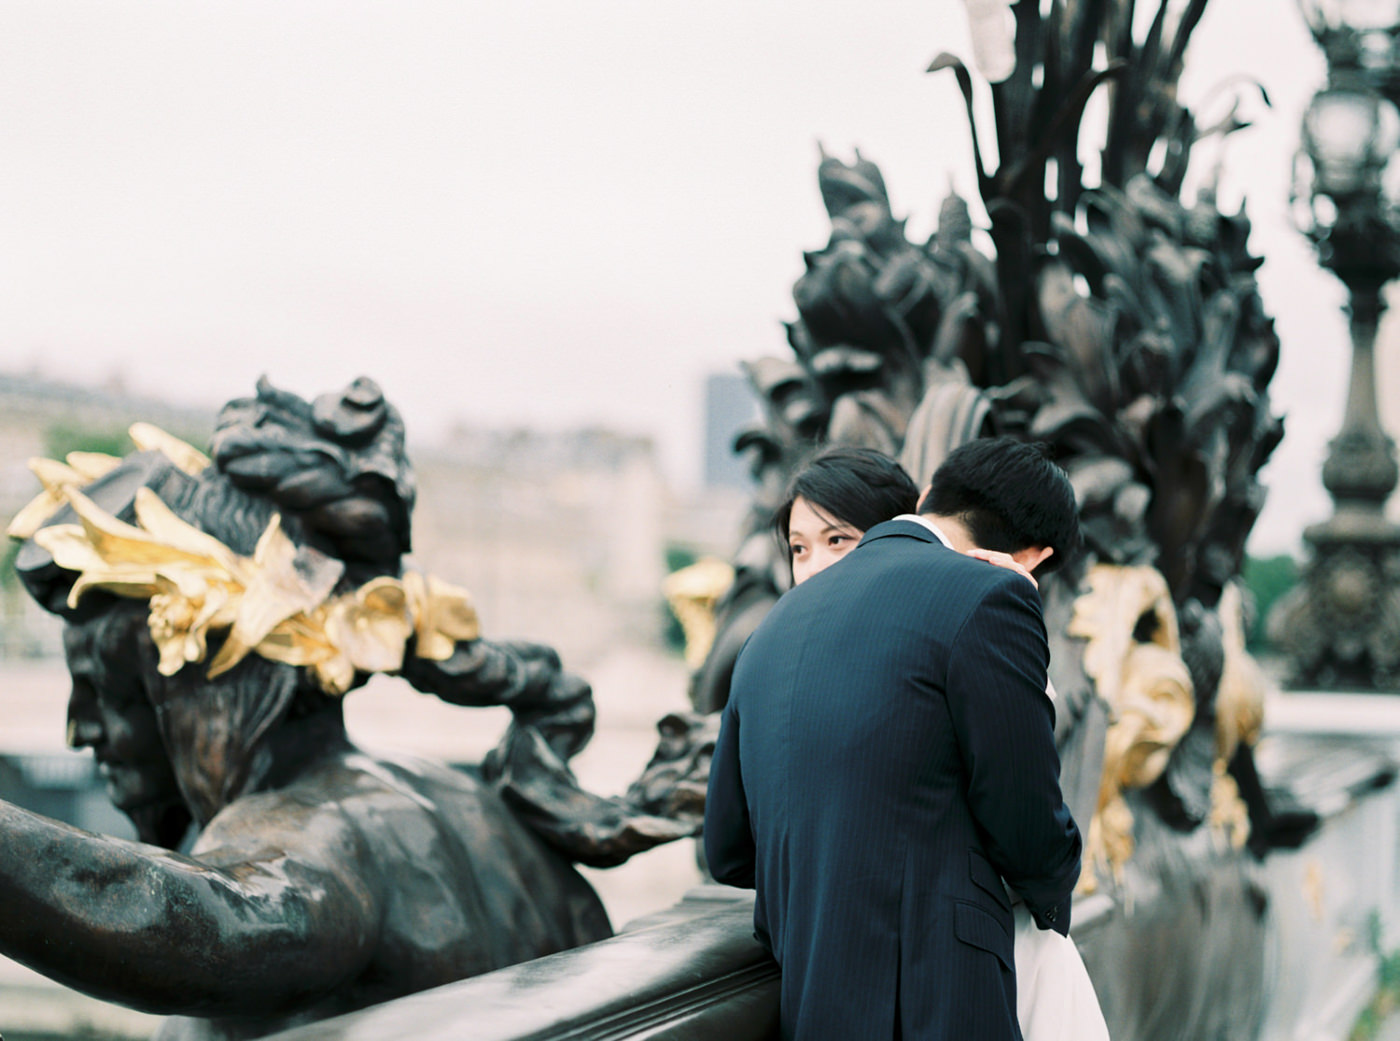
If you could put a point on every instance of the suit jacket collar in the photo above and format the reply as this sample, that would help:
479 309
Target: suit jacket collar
907 528
925 522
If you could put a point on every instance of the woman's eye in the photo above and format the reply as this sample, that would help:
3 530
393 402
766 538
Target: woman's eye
837 540
797 550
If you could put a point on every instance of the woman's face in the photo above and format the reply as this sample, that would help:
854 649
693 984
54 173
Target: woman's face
816 540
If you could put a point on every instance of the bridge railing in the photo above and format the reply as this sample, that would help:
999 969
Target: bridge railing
691 973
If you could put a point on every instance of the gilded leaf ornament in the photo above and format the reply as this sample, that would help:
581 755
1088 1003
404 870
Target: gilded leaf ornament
277 603
78 470
693 592
147 437
443 615
1243 685
1239 717
282 580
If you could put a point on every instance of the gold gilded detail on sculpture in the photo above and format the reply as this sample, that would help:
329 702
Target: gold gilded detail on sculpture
1239 715
1229 816
1133 655
76 471
443 615
79 469
1239 703
693 592
277 603
147 437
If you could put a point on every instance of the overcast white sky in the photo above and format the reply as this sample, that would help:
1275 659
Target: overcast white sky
544 212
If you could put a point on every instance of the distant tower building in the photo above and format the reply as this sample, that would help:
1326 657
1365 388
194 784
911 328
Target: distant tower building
730 406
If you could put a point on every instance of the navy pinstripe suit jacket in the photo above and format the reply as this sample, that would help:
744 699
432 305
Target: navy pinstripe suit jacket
886 757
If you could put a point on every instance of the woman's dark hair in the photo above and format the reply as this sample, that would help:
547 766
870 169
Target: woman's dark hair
857 486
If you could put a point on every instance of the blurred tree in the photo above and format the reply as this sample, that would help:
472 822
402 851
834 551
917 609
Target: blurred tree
8 579
1267 579
62 438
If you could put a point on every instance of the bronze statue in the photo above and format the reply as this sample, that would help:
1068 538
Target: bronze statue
216 613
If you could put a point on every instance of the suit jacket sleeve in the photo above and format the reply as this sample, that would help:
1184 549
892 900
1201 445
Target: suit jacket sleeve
1006 729
729 846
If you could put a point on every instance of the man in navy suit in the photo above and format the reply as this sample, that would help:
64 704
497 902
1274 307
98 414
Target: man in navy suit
887 758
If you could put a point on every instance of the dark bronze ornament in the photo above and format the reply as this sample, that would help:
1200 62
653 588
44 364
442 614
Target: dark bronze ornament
1341 624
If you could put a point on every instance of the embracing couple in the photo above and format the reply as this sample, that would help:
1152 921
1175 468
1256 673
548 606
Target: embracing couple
886 774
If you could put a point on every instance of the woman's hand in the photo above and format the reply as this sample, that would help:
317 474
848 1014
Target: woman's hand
1006 560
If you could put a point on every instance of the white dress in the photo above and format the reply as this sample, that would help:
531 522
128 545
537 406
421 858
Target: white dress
1055 999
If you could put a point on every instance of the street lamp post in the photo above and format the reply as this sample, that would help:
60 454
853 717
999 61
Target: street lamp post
1341 628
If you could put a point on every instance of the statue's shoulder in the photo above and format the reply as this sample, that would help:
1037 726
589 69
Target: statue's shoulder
298 821
328 802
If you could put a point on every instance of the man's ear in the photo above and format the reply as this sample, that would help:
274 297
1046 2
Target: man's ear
923 494
1032 557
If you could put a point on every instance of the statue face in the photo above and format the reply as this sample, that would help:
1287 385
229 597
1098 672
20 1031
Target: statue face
109 712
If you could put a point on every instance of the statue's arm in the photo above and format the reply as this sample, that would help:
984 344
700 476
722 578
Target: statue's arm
280 921
528 678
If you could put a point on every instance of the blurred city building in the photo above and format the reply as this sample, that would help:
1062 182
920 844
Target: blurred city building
559 537
565 537
708 520
730 406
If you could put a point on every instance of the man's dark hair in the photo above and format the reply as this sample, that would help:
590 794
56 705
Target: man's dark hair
1011 495
856 486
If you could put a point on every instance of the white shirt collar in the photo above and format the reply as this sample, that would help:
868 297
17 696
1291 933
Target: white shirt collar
919 518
